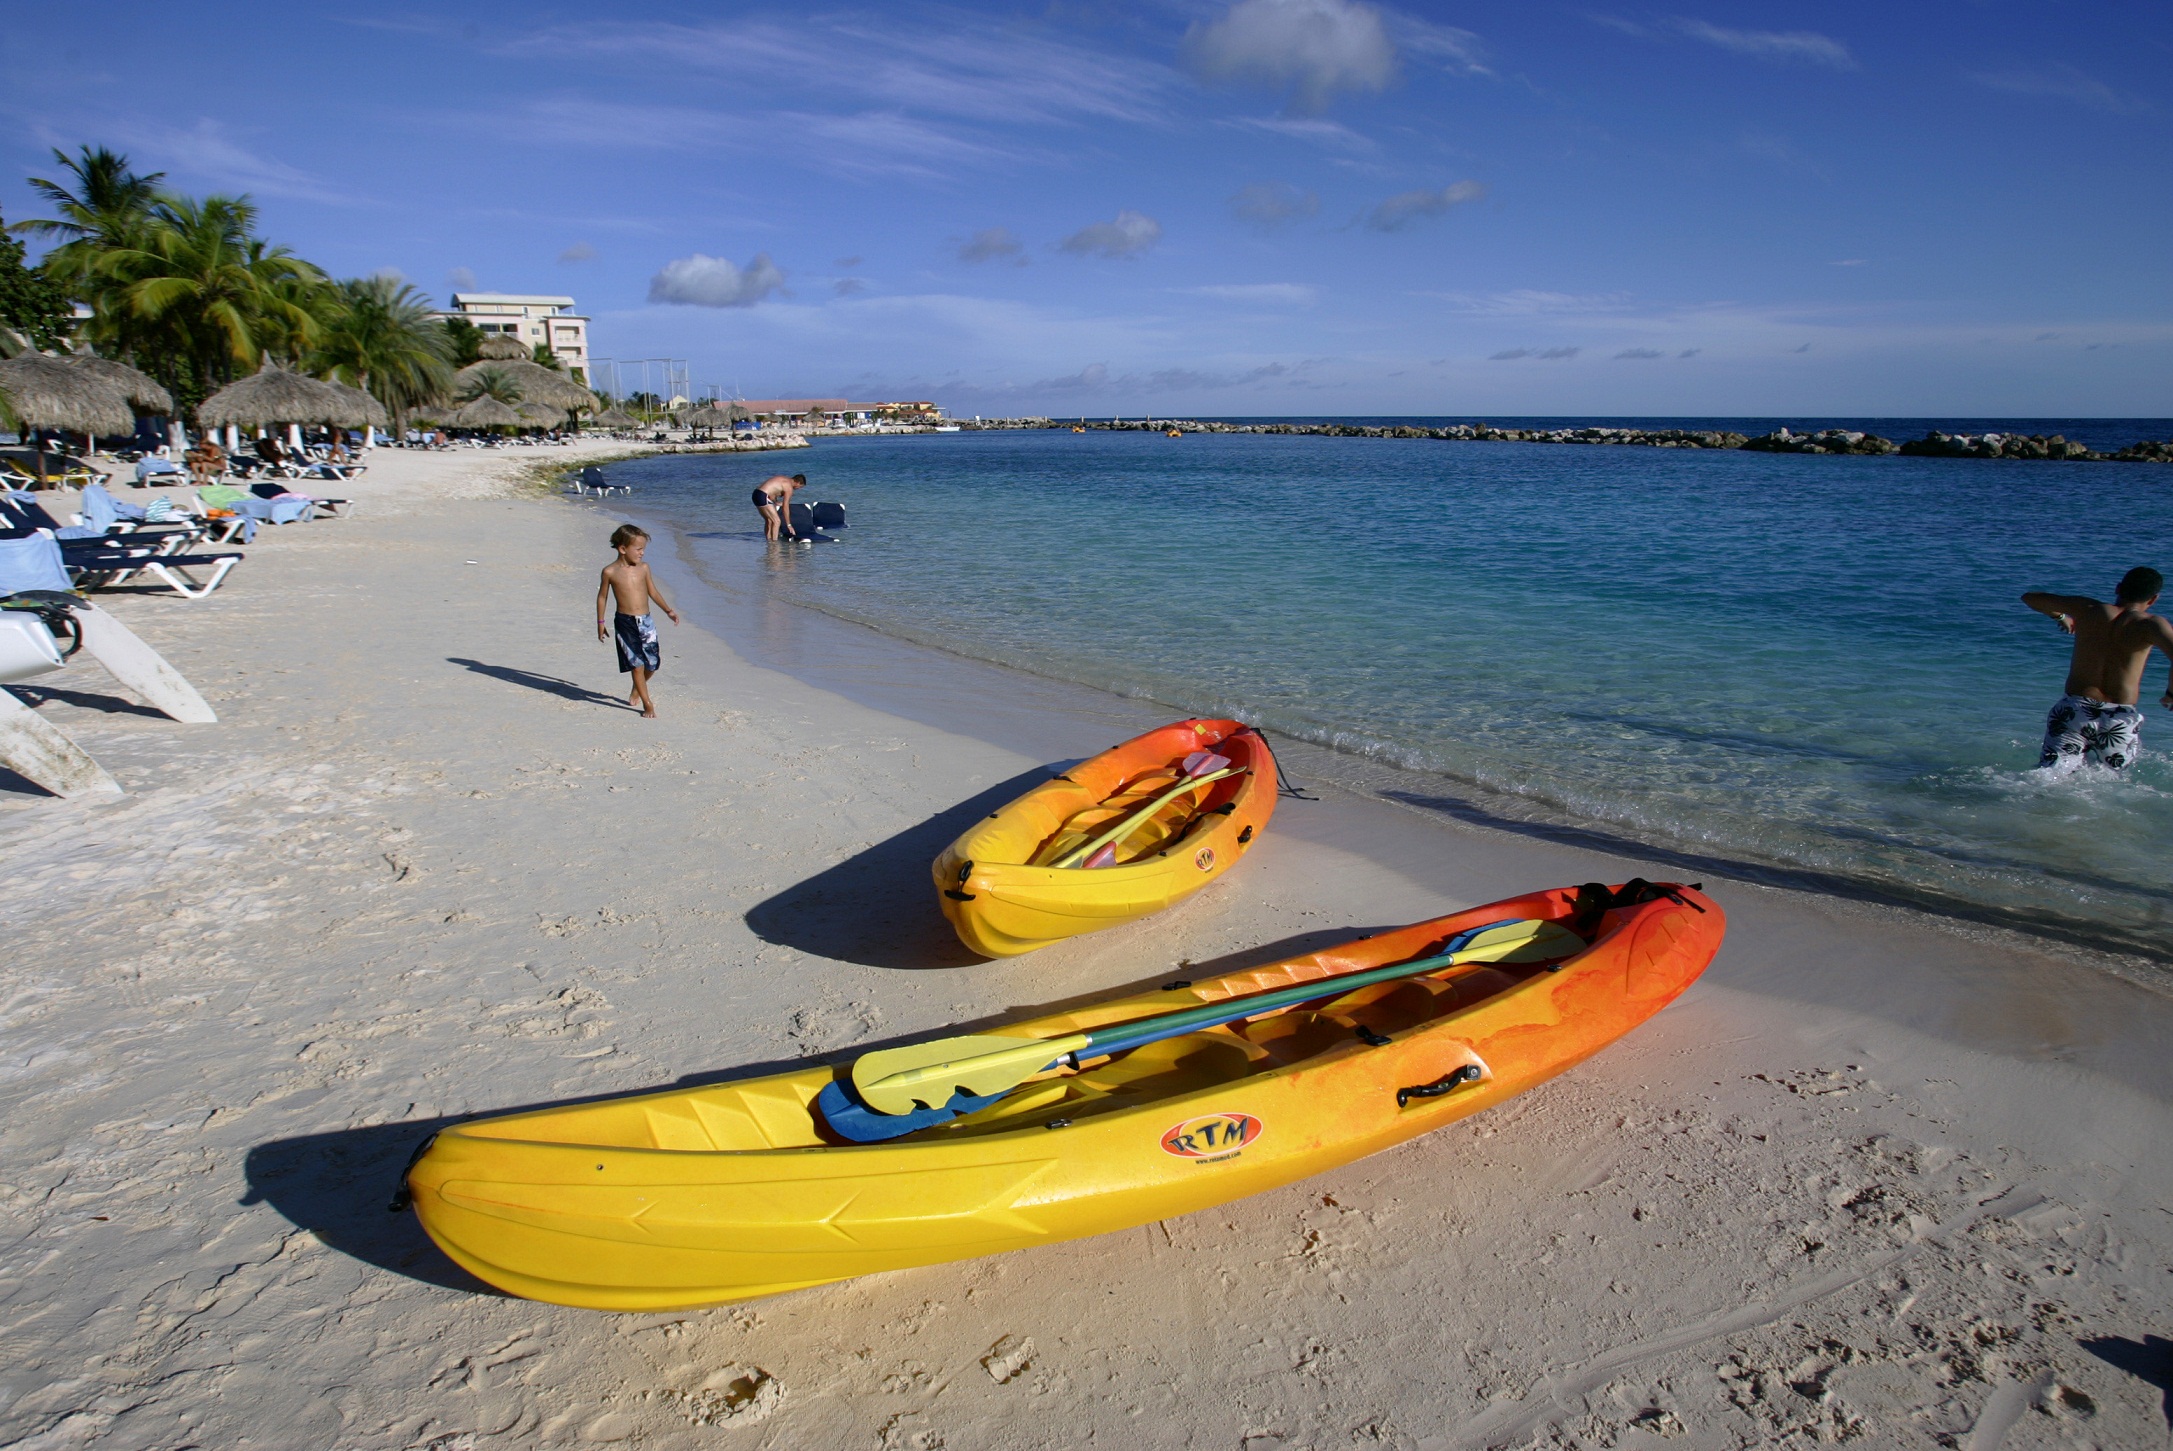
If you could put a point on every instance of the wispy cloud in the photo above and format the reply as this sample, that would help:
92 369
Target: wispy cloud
2064 83
1404 208
848 286
702 281
1510 355
1130 235
1638 353
578 252
1269 204
207 152
1318 130
965 67
1525 301
1786 45
1311 50
993 244
1281 294
1455 50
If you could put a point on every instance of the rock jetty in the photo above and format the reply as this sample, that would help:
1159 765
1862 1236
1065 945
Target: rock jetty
2002 445
1830 440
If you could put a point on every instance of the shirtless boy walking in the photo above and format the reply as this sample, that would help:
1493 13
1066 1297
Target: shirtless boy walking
627 581
2098 715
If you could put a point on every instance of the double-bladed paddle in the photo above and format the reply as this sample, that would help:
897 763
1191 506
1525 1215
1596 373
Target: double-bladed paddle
1131 823
925 1083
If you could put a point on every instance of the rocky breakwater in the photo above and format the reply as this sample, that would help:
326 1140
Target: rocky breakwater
2000 445
1828 440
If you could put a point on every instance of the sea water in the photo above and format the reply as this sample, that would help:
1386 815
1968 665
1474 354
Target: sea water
1814 666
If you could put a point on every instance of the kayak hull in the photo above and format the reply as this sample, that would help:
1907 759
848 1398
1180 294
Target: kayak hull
1002 905
731 1191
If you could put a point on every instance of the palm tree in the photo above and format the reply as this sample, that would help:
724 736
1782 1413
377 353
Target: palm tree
490 382
199 298
108 204
384 339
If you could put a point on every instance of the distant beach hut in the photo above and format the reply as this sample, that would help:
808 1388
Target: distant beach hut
274 395
483 412
615 418
47 392
505 358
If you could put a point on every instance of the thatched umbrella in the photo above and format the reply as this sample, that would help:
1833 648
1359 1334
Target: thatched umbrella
275 395
615 418
534 382
368 412
539 416
45 392
498 348
141 389
483 412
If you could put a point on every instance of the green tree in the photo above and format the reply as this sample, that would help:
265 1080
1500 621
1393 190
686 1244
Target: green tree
545 358
383 338
31 302
466 340
198 300
102 204
490 382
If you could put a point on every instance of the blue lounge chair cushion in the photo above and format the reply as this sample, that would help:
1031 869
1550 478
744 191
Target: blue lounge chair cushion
31 562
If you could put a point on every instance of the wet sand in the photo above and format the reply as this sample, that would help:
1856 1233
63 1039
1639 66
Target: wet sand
1875 1177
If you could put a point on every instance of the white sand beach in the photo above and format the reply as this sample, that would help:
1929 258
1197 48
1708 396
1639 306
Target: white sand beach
1875 1178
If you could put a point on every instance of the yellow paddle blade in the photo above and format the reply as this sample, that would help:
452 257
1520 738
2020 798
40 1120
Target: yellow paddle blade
897 1080
1530 940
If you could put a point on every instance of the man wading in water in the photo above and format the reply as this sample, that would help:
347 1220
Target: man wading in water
2113 642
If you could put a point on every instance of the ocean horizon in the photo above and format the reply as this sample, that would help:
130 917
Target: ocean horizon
1816 667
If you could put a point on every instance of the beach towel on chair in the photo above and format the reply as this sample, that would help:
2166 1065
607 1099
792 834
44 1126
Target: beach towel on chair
31 563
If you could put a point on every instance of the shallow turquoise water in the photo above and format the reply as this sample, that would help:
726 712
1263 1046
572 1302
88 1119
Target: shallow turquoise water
1814 663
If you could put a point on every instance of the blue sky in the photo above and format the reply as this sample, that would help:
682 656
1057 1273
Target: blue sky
1271 207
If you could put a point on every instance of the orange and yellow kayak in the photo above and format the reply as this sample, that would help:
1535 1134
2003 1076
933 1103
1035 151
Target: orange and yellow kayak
1006 885
698 1196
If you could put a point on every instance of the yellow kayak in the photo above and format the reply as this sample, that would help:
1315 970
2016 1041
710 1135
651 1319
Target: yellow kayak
1009 885
698 1196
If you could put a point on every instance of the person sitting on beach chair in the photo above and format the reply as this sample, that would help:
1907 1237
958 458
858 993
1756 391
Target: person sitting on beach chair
2098 717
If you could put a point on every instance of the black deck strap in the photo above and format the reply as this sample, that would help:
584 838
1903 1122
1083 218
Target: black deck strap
1284 786
1372 1039
1469 1073
401 1196
1595 899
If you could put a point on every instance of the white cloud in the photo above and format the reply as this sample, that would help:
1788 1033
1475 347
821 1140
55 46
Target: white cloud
701 281
1639 353
1269 204
578 252
847 286
1404 208
207 152
1311 48
991 244
2065 83
1526 301
1456 50
1803 45
1284 294
1553 354
460 279
1318 130
1130 235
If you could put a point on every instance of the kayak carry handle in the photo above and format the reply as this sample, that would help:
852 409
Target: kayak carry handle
1455 1078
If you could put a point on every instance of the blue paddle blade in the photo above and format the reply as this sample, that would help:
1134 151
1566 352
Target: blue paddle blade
849 1118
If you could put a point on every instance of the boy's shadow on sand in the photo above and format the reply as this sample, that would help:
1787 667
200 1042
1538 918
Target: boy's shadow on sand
339 1185
878 909
548 684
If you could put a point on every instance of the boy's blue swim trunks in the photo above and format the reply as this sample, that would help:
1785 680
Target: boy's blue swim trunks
636 637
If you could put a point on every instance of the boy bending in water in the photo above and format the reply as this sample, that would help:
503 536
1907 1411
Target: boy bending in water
627 581
2098 715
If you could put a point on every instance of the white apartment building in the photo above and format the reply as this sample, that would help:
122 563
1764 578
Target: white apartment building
547 320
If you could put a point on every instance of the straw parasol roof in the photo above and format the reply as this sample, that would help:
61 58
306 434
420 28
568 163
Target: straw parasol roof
498 348
141 389
615 418
275 395
540 416
536 383
368 410
484 412
46 392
